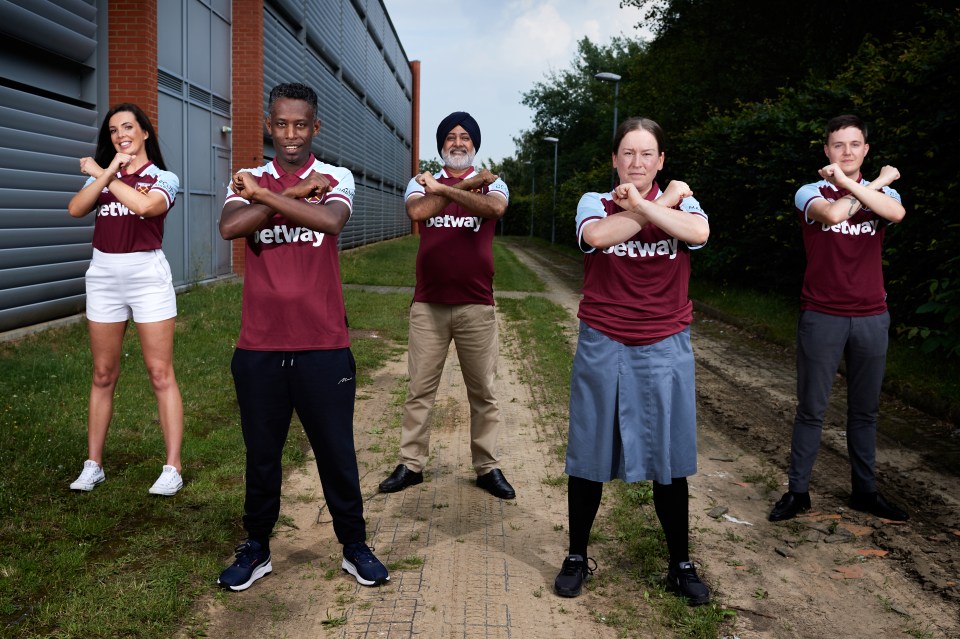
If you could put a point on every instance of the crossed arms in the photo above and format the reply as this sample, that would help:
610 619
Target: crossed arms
240 219
143 204
422 207
638 212
859 196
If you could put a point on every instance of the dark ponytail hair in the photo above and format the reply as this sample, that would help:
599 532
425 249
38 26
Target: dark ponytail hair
105 150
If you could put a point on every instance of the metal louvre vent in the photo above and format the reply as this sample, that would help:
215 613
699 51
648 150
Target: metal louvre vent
169 82
201 96
221 106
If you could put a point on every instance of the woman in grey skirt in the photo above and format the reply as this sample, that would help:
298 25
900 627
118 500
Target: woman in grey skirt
632 397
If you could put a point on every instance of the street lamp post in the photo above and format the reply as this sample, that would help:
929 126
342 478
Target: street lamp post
606 76
553 216
533 190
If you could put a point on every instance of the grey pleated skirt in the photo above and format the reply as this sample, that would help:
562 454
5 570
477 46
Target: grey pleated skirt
633 413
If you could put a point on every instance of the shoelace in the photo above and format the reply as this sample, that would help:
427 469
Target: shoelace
246 554
361 554
573 567
687 574
88 473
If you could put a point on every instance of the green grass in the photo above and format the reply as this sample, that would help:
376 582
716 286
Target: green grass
117 562
393 263
390 263
767 316
118 542
413 562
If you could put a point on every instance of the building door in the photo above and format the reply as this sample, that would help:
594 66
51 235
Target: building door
193 57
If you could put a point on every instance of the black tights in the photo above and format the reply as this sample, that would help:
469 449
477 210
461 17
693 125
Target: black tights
583 501
669 500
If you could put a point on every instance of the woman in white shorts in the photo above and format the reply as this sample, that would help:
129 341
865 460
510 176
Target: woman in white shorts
129 277
632 398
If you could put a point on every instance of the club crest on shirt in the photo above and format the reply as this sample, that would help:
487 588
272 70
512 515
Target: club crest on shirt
142 187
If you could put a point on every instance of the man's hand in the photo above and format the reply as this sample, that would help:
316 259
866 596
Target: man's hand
833 174
487 177
888 175
314 185
476 183
244 184
88 166
429 183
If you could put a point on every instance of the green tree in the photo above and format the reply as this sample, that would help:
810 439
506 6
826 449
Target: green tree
709 56
743 90
431 166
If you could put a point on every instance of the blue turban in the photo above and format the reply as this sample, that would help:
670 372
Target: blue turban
463 119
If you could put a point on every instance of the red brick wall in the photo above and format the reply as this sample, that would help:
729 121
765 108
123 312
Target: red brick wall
133 54
247 119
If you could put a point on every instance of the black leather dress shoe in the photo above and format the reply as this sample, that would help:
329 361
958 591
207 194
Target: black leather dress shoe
399 479
875 504
789 506
496 484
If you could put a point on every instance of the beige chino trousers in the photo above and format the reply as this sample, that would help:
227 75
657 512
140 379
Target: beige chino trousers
473 329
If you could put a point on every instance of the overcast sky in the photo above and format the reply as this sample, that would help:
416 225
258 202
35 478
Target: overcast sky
482 56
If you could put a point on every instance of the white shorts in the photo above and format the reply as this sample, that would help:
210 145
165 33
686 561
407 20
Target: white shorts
125 285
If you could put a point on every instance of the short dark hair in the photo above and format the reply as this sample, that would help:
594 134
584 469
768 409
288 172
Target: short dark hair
638 124
843 122
105 149
294 91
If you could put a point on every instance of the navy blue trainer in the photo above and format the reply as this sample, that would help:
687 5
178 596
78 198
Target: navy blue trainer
252 563
359 561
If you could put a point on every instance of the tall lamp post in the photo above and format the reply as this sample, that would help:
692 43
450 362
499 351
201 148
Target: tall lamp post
606 76
553 217
533 190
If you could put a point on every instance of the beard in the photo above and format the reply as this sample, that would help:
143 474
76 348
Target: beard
457 161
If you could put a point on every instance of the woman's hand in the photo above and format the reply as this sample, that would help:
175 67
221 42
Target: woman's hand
627 197
674 194
120 160
88 166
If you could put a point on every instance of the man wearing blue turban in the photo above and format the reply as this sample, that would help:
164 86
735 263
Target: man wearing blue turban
457 210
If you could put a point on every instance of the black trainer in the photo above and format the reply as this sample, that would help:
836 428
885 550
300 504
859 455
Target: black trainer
682 579
575 570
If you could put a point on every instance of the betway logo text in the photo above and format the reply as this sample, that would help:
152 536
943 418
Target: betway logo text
644 249
450 222
861 228
114 209
280 234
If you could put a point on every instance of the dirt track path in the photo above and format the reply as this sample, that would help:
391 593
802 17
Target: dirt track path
469 565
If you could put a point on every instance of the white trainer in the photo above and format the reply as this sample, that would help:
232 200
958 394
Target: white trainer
91 475
168 483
